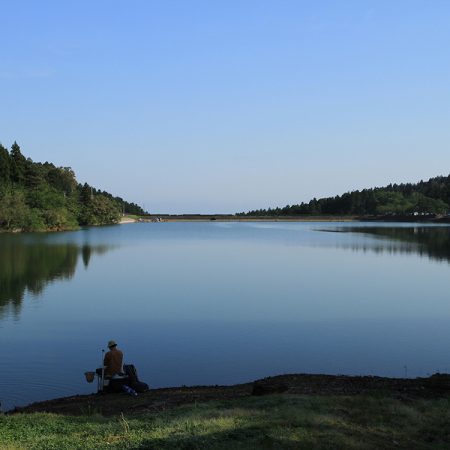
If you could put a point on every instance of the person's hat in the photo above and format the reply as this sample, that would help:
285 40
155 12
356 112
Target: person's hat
111 344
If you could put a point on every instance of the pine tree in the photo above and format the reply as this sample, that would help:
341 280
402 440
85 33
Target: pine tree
5 166
18 164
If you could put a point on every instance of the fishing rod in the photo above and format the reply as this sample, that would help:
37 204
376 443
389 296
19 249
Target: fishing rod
103 370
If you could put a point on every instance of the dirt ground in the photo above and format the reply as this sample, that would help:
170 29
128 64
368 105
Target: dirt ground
156 400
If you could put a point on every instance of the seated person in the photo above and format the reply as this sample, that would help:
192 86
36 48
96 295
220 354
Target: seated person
113 361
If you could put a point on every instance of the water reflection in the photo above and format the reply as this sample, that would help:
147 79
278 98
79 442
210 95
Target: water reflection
30 266
207 303
431 241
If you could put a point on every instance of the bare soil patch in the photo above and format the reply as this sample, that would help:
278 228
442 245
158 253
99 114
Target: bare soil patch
157 400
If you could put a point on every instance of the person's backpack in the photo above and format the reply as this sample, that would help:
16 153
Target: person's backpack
133 378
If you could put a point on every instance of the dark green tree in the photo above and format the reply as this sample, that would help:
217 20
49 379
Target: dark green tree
86 194
5 167
18 164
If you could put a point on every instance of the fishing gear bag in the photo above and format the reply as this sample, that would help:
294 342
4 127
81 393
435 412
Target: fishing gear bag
134 382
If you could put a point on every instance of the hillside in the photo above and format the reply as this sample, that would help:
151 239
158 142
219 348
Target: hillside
424 197
38 196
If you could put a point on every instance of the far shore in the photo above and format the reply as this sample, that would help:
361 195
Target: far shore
431 219
237 218
260 219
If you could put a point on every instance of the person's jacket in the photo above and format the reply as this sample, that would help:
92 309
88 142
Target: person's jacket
113 362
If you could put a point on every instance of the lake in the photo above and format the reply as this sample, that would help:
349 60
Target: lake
222 303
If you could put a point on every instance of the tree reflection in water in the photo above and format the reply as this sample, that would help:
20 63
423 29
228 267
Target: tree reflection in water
31 266
431 241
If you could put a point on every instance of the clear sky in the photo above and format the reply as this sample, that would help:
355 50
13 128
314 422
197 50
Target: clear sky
224 106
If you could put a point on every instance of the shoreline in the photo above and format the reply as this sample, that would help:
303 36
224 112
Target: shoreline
225 219
283 412
161 399
126 220
346 218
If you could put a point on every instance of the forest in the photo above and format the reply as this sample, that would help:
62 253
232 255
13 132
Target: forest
423 198
38 196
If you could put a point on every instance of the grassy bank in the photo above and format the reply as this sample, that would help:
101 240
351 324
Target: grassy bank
276 421
283 412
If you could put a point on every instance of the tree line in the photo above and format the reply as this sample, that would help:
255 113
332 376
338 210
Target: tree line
38 196
425 197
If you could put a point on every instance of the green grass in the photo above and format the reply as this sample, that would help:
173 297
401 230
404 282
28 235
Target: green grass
274 422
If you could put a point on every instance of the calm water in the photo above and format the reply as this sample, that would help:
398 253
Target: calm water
222 303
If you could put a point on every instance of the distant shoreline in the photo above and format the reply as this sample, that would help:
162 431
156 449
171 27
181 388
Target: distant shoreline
230 218
233 218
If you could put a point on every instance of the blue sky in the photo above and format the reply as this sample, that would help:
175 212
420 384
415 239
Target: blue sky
225 106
